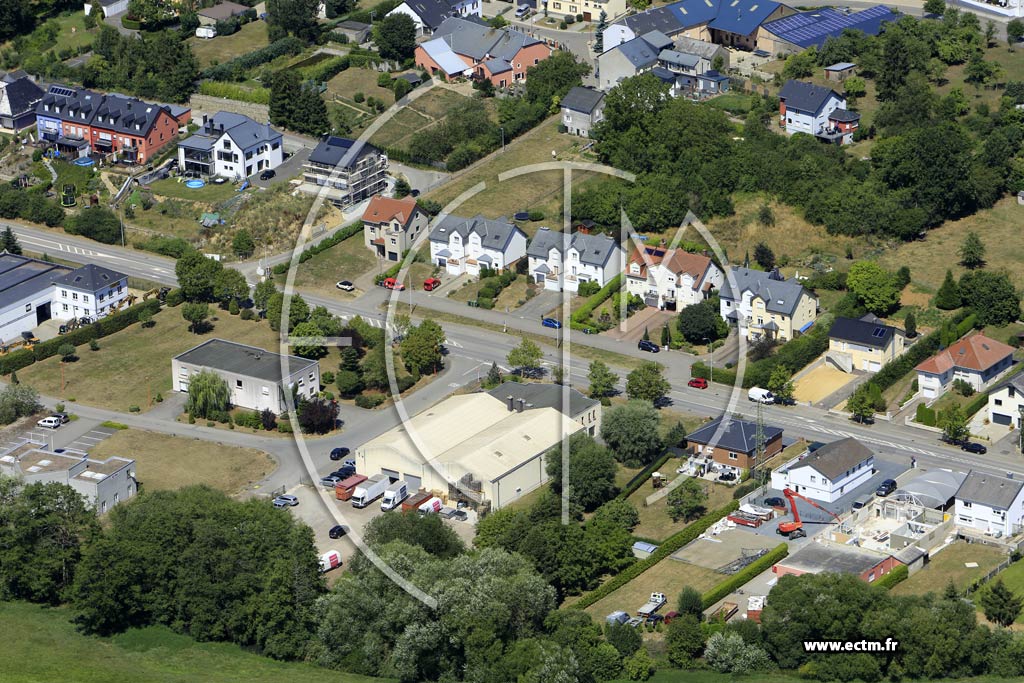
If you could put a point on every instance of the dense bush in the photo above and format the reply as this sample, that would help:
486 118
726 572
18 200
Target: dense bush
175 247
898 574
925 415
370 400
235 69
580 317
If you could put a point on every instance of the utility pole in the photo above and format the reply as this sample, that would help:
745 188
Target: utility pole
711 367
759 441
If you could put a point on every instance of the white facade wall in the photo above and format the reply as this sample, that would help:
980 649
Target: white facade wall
989 520
408 11
21 316
252 392
807 481
617 34
668 285
1004 406
110 10
573 271
472 249
805 122
72 302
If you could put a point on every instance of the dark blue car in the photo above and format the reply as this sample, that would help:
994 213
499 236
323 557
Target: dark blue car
551 322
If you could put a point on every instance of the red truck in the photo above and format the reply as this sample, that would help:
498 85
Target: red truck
344 489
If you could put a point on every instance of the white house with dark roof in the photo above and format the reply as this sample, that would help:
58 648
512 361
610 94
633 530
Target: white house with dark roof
816 110
582 109
671 278
89 292
589 258
990 504
231 146
19 96
863 344
26 293
1006 403
428 15
465 245
766 304
630 58
109 7
828 473
254 376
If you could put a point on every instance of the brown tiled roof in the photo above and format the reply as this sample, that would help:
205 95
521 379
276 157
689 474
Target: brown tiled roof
384 209
676 260
976 352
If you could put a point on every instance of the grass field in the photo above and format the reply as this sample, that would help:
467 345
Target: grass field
655 521
948 565
424 111
164 461
668 576
137 361
218 50
41 644
1013 577
210 193
345 261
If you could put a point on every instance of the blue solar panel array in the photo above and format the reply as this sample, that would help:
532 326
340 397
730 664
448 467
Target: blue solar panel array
813 28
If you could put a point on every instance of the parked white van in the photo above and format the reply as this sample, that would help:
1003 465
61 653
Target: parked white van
49 422
759 395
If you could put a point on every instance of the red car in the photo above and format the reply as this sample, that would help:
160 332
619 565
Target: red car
431 283
391 283
698 383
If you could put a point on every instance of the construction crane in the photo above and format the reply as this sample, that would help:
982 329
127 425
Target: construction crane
795 529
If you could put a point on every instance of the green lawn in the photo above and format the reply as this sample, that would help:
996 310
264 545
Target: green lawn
948 565
41 644
1013 577
345 261
218 50
655 521
210 193
424 111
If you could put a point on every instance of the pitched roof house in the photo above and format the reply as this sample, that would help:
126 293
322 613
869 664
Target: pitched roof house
468 48
990 504
589 258
465 245
828 473
582 109
1006 401
975 359
863 344
630 58
19 96
428 15
816 110
231 146
391 226
671 278
351 170
766 304
732 444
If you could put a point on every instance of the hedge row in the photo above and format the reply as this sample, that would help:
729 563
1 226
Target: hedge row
975 404
582 314
643 475
744 575
231 91
897 575
746 487
722 375
83 335
893 371
795 355
925 415
669 546
234 69
322 246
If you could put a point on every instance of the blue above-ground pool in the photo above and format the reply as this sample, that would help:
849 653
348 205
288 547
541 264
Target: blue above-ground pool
195 183
83 161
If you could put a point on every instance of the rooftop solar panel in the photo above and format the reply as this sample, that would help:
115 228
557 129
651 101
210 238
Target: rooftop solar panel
812 28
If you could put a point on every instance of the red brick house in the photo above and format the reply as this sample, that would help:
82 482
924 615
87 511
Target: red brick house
733 446
464 48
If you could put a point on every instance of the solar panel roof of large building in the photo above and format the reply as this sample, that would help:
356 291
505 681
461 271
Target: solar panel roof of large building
813 28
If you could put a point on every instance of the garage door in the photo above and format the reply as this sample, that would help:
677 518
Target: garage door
415 483
928 392
874 366
390 474
1001 419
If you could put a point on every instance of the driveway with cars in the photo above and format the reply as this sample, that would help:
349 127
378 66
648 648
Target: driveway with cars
289 168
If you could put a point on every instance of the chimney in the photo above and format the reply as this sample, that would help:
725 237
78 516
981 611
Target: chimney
511 403
519 405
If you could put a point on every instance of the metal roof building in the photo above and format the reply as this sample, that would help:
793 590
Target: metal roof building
26 293
805 29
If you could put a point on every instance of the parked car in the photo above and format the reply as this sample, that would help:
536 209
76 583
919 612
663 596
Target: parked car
460 515
635 622
337 531
618 617
268 174
885 488
972 447
329 481
775 502
522 11
339 453
759 395
63 417
654 619
649 346
788 401
345 285
698 383
392 283
49 422
344 472
431 283
951 441
551 322
287 500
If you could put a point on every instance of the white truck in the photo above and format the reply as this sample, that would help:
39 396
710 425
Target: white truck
432 506
330 560
394 495
652 605
370 490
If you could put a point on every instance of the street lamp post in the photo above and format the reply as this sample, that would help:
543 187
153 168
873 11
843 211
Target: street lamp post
711 367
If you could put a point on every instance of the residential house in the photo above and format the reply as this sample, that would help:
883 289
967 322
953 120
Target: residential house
712 83
799 31
391 226
356 31
975 359
590 9
208 16
766 304
254 376
465 245
708 53
671 279
428 15
231 146
109 7
89 292
828 473
103 483
834 558
731 444
816 110
350 170
582 109
19 96
990 504
863 344
26 293
79 122
630 58
840 71
1006 403
734 24
482 448
463 48
588 258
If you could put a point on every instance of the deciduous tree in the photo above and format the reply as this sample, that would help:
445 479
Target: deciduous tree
991 296
195 314
631 431
208 394
687 500
647 383
395 37
197 276
525 357
874 286
602 380
591 475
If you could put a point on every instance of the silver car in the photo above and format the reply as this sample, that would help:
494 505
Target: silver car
286 500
